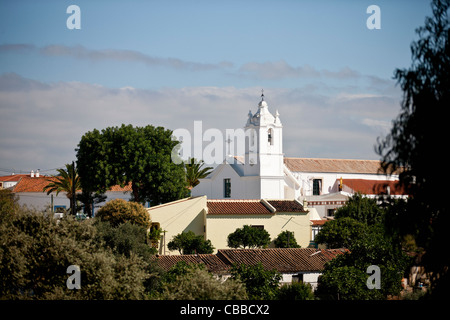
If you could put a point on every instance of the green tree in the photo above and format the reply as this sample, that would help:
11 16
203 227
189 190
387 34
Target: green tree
296 291
36 250
410 147
261 284
140 155
362 209
9 204
194 172
118 211
340 233
193 282
286 239
66 181
190 243
248 237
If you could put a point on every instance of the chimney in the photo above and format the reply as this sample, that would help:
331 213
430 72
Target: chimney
37 173
32 174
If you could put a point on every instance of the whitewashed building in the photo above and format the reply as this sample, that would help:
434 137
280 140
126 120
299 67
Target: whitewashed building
265 173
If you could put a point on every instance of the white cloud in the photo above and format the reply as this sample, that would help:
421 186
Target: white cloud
41 124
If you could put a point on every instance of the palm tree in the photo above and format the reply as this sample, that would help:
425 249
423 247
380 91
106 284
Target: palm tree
194 172
65 182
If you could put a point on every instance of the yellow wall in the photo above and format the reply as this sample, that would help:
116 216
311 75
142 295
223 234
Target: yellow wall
218 227
179 216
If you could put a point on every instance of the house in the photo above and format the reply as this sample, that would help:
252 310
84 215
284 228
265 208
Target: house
294 264
30 190
264 172
216 219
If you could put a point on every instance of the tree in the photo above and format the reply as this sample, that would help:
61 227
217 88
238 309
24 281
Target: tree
66 181
286 239
193 282
9 204
248 237
119 211
410 147
296 291
140 155
340 233
190 243
36 250
194 172
261 284
362 209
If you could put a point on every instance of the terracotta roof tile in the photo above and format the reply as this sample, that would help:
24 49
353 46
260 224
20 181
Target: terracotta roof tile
37 184
237 207
332 165
13 177
286 260
287 205
373 186
211 261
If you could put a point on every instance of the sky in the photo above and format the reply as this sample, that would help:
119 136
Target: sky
170 63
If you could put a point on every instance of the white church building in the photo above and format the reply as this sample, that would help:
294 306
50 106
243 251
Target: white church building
265 173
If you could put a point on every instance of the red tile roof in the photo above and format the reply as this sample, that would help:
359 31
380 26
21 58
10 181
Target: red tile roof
284 260
36 184
373 186
237 207
332 165
13 177
211 261
287 205
253 206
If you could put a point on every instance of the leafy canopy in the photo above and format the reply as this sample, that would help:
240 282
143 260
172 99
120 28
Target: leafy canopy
137 155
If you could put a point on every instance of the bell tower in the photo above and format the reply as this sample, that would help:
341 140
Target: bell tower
264 151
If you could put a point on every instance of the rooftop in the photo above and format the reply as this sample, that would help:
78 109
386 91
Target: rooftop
284 260
333 165
251 206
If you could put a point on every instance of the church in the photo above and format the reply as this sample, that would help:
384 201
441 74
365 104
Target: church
264 172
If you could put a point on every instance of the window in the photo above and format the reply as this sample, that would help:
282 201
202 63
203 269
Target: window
270 136
317 187
330 212
227 188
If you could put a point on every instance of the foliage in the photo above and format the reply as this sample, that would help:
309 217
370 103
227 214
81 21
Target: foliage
190 243
140 155
119 211
296 291
261 284
362 209
410 147
248 237
346 274
36 250
9 203
340 233
193 282
67 181
125 239
194 172
286 239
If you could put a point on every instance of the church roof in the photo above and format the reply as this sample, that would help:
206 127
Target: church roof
332 165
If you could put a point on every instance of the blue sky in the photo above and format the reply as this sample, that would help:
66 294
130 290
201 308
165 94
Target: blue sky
172 62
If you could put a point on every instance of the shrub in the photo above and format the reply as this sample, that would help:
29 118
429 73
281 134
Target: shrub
119 211
192 282
296 291
286 239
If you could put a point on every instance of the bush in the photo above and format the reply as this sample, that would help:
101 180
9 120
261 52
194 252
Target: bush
193 282
36 250
248 237
286 239
296 291
119 211
190 243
